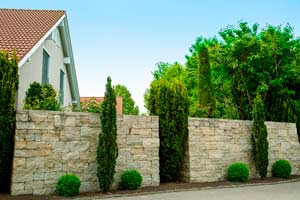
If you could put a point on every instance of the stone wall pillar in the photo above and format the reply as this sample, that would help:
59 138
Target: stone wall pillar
214 144
51 144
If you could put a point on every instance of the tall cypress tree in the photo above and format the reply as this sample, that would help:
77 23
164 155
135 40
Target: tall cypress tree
8 89
169 101
107 150
259 138
207 102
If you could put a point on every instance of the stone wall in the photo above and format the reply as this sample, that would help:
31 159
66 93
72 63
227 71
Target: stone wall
50 144
213 144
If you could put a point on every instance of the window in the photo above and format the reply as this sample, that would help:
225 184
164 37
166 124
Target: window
45 68
62 86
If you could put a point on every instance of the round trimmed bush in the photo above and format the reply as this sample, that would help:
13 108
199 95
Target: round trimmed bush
282 169
131 180
238 172
68 185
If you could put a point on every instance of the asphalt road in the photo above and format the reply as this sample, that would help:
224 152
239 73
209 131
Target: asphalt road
285 191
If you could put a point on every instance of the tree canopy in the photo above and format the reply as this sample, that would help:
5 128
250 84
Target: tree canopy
128 104
246 60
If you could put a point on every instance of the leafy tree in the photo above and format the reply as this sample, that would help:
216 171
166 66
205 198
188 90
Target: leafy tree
259 138
175 71
128 107
107 150
41 97
169 100
167 72
161 70
246 60
8 90
220 80
265 62
206 97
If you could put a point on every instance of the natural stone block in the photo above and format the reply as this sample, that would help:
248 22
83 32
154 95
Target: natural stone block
69 120
38 176
54 176
34 163
32 153
35 185
89 132
70 134
19 163
22 117
15 192
18 186
44 125
25 125
57 120
42 191
73 155
21 176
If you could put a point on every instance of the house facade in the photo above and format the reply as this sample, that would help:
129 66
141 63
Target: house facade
42 43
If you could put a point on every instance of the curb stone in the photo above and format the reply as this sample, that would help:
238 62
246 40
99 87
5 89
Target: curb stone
186 190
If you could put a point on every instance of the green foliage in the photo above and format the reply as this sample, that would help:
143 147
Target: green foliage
266 62
41 97
169 101
161 70
8 89
167 72
91 105
131 180
68 185
206 97
238 172
259 138
128 104
107 150
281 169
245 60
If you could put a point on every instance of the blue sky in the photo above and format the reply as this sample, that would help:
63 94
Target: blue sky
124 39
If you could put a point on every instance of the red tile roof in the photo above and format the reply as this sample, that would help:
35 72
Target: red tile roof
119 100
20 30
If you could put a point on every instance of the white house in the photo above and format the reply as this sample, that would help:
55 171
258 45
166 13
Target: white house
42 42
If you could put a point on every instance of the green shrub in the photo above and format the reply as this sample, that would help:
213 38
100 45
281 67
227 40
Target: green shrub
131 180
9 80
282 169
91 105
68 185
238 172
41 97
259 138
169 101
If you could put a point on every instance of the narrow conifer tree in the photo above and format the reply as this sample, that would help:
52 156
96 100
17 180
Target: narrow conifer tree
8 89
259 138
169 101
107 150
207 102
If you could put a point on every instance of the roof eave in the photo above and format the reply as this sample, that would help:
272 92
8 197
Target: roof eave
69 53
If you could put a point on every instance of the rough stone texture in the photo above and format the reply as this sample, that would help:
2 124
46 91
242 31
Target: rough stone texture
213 144
51 144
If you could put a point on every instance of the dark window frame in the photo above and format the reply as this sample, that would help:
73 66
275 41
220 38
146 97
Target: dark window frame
45 67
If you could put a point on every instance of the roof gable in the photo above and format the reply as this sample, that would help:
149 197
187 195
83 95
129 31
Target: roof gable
21 30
